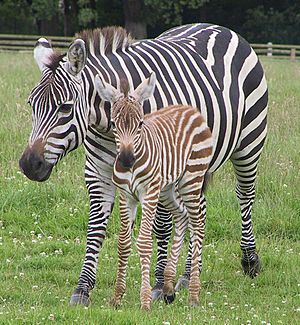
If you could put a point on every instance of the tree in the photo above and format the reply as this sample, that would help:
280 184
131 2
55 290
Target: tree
69 11
134 18
170 11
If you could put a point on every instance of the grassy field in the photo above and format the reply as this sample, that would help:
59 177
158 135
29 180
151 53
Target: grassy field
43 227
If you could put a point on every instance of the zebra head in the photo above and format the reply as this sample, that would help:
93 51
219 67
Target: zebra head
127 115
57 127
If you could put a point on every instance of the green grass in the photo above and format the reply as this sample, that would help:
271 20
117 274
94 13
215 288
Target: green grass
43 227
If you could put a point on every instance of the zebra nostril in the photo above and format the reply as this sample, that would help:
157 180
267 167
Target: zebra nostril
39 164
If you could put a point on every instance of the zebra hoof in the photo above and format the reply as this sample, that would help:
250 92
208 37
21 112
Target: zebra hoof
169 298
182 283
80 297
251 266
156 294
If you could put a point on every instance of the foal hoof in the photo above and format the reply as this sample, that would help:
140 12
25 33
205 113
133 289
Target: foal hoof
182 283
156 292
80 297
251 266
115 302
169 298
194 303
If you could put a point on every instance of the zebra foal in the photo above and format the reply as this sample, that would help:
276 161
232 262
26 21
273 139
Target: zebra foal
161 157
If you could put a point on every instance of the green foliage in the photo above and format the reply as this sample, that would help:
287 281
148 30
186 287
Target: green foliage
269 24
43 227
86 15
170 11
44 9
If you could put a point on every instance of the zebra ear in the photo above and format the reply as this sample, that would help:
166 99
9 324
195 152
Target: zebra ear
145 89
42 52
76 57
106 91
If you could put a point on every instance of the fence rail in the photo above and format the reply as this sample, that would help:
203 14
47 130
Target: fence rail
11 42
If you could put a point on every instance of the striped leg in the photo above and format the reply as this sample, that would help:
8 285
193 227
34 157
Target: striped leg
190 188
245 190
162 229
128 207
197 223
173 202
144 246
183 281
102 195
245 166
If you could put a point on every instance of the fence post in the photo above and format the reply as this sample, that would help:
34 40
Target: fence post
270 49
293 54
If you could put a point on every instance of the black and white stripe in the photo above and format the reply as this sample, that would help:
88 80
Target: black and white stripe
204 65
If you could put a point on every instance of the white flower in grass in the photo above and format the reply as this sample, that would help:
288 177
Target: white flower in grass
51 317
35 287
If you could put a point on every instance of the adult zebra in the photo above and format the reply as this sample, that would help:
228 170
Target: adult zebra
204 65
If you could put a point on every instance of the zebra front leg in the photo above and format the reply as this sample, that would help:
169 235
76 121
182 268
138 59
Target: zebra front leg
162 229
102 194
128 207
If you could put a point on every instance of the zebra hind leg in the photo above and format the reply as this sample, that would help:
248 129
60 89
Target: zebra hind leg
250 259
245 169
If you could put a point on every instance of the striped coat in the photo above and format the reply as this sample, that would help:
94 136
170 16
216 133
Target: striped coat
161 157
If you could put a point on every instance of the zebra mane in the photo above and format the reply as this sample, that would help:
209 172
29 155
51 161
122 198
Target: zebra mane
54 60
105 40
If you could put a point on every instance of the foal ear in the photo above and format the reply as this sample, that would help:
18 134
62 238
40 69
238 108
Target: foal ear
76 57
145 89
106 91
42 52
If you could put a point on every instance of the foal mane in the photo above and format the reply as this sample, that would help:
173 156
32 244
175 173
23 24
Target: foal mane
105 40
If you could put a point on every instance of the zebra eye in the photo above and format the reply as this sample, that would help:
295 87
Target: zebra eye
141 124
65 108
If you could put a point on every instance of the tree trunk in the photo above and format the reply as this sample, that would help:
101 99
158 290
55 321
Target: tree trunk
134 18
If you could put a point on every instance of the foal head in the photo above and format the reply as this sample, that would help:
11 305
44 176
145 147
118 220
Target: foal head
127 115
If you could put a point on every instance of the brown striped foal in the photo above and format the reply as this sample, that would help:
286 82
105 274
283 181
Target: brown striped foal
163 157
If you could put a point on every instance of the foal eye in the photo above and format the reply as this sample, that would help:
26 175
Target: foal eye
141 124
113 124
65 108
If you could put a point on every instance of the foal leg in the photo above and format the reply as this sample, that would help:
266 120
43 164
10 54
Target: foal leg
191 198
128 207
174 203
183 281
145 243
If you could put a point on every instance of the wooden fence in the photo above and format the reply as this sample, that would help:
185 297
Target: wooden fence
10 42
